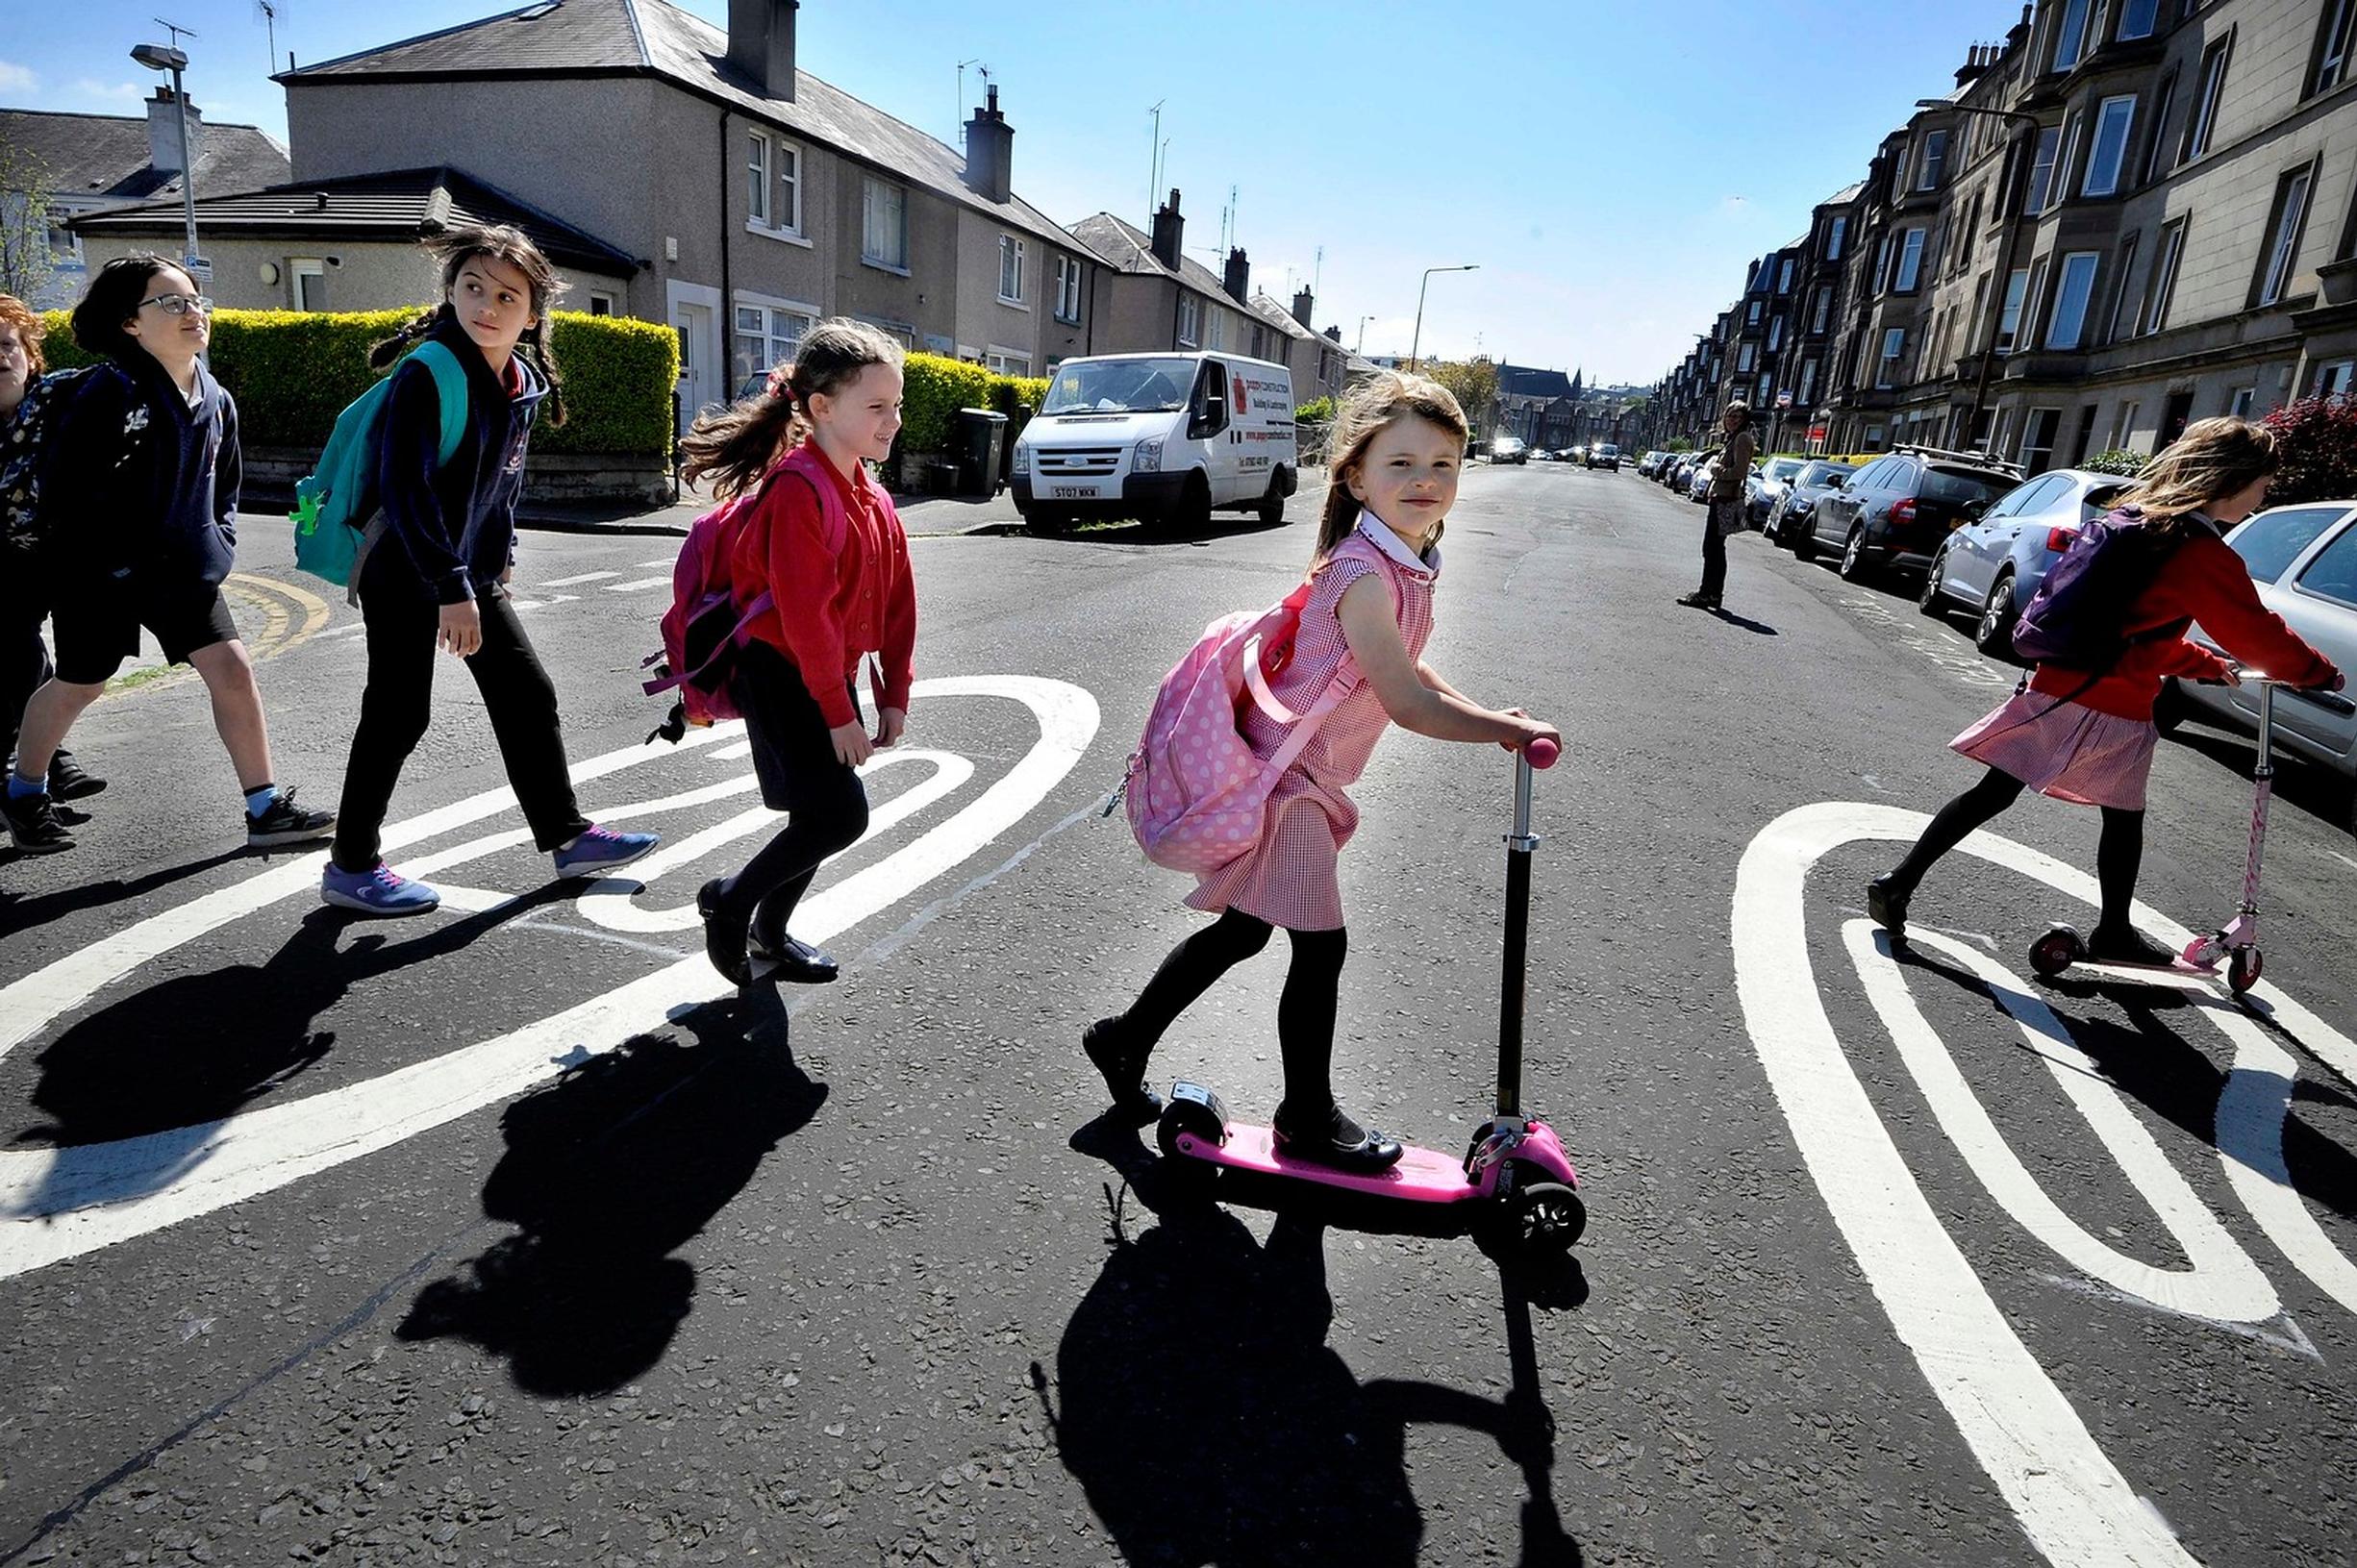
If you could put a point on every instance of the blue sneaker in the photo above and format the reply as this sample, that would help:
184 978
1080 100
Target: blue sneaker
600 850
380 891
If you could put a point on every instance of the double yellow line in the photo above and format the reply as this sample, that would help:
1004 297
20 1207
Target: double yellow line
290 616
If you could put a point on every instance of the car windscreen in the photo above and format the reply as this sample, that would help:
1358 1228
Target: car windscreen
1962 487
1120 387
1825 473
1782 468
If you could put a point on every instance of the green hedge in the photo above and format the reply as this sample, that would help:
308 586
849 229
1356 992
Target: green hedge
936 388
293 372
1318 411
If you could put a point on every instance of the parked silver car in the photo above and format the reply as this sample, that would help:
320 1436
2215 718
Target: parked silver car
2304 560
1764 486
1789 518
1698 481
1993 564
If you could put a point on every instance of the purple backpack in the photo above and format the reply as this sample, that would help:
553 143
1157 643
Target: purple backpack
2078 617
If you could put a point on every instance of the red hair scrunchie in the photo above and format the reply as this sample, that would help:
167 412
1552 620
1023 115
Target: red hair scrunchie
780 382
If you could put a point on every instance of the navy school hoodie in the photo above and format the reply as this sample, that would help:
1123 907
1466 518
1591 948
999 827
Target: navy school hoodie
456 522
139 483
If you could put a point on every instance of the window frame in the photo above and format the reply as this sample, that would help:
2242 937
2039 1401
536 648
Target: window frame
2168 258
2124 281
2030 423
300 267
2287 229
1068 276
1019 258
1822 316
1907 272
2328 67
2152 20
756 168
1837 232
775 347
1886 362
2063 272
1189 326
2064 34
2209 96
871 187
2119 148
2039 193
1934 165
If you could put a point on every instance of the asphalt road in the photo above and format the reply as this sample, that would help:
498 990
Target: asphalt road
505 1236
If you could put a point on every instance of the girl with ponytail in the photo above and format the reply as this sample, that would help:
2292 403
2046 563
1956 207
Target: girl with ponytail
824 542
434 569
1399 443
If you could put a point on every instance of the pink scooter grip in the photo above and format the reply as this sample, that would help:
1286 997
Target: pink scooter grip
1543 753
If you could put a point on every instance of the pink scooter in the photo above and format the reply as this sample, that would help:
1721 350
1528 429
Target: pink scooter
2237 940
1516 1166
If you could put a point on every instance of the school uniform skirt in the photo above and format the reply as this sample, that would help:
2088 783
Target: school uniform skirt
794 752
2065 751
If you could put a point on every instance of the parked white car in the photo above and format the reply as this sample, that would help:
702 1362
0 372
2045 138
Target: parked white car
1166 437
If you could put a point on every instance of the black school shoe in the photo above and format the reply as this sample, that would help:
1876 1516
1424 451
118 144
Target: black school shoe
284 822
1337 1141
2127 946
69 779
34 826
795 963
724 942
1122 1065
1886 904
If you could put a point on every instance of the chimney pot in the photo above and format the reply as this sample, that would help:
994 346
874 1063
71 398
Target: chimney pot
1302 304
1170 228
760 43
1239 275
164 133
990 151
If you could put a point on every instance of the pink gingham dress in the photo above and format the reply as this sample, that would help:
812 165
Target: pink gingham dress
1290 879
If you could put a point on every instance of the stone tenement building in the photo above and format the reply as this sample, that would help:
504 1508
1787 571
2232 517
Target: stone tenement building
2127 216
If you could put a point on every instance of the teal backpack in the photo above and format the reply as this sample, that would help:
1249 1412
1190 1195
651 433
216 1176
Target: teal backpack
335 504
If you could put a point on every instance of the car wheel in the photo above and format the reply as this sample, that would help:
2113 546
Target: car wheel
1930 600
1854 565
1804 540
1994 635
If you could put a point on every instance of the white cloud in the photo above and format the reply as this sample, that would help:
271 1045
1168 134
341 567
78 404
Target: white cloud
92 87
16 78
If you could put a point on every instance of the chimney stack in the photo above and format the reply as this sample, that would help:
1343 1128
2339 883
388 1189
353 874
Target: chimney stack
1239 275
1168 226
990 152
164 133
1301 305
761 44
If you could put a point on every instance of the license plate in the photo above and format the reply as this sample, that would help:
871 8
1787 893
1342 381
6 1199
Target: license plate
1073 492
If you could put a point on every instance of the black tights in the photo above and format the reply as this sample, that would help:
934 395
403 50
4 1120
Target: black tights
2119 854
1305 1010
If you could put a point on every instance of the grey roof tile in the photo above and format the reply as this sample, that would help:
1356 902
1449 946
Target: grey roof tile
103 157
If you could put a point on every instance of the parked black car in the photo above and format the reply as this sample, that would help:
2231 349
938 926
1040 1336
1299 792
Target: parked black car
1788 519
1897 509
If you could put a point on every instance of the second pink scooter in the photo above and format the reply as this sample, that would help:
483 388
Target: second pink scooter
1516 1167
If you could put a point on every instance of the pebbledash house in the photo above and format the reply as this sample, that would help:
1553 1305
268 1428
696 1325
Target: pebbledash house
679 172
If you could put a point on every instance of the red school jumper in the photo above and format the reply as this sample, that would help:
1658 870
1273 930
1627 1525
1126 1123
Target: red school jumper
2203 580
830 607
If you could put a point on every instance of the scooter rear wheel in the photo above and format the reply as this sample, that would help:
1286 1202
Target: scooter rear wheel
2243 969
2057 951
1548 1216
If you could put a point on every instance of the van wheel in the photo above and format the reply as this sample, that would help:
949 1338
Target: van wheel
1049 521
1273 505
1193 510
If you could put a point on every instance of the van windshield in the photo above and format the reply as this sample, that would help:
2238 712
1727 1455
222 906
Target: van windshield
1120 387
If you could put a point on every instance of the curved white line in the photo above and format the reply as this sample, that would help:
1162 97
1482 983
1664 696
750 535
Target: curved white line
61 1203
2222 1281
2071 1501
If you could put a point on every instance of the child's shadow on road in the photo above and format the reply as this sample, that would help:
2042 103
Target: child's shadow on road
608 1171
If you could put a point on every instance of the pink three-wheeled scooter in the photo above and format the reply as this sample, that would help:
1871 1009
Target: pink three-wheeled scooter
1516 1167
2237 941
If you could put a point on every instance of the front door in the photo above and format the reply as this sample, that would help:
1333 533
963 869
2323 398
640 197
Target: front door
699 375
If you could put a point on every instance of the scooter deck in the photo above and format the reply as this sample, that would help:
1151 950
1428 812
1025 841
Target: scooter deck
1422 1176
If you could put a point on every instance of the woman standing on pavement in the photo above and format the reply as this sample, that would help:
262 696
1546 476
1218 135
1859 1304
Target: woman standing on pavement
24 576
140 470
435 578
2087 736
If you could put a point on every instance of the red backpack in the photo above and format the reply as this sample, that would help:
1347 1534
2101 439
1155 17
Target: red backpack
703 629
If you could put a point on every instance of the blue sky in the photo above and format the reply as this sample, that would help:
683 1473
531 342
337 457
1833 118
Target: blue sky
1610 168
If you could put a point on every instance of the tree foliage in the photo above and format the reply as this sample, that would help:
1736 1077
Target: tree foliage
1473 383
26 188
2317 438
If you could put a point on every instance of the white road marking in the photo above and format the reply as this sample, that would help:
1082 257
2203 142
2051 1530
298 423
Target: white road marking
2071 1501
640 584
666 563
2342 858
2222 1284
743 748
60 1203
584 577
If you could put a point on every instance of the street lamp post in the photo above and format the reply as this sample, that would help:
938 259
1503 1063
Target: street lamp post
160 56
2005 264
1416 341
1363 321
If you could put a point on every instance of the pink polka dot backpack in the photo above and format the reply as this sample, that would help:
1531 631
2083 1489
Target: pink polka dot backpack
1195 791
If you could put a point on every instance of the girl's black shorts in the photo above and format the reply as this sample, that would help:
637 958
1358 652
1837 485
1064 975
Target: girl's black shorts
97 624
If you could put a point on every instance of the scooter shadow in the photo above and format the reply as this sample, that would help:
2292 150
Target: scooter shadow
1196 1401
2150 1059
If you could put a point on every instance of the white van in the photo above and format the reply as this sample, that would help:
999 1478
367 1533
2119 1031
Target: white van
1161 436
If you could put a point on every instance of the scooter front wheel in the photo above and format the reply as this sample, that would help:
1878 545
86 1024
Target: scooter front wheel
1548 1216
2057 951
2243 969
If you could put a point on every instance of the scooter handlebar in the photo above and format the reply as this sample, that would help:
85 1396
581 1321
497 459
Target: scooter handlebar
1543 753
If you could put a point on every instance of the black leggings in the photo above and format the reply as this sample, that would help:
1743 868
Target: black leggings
793 755
1305 1010
2119 854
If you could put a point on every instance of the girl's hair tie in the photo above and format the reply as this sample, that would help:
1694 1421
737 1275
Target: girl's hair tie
781 383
